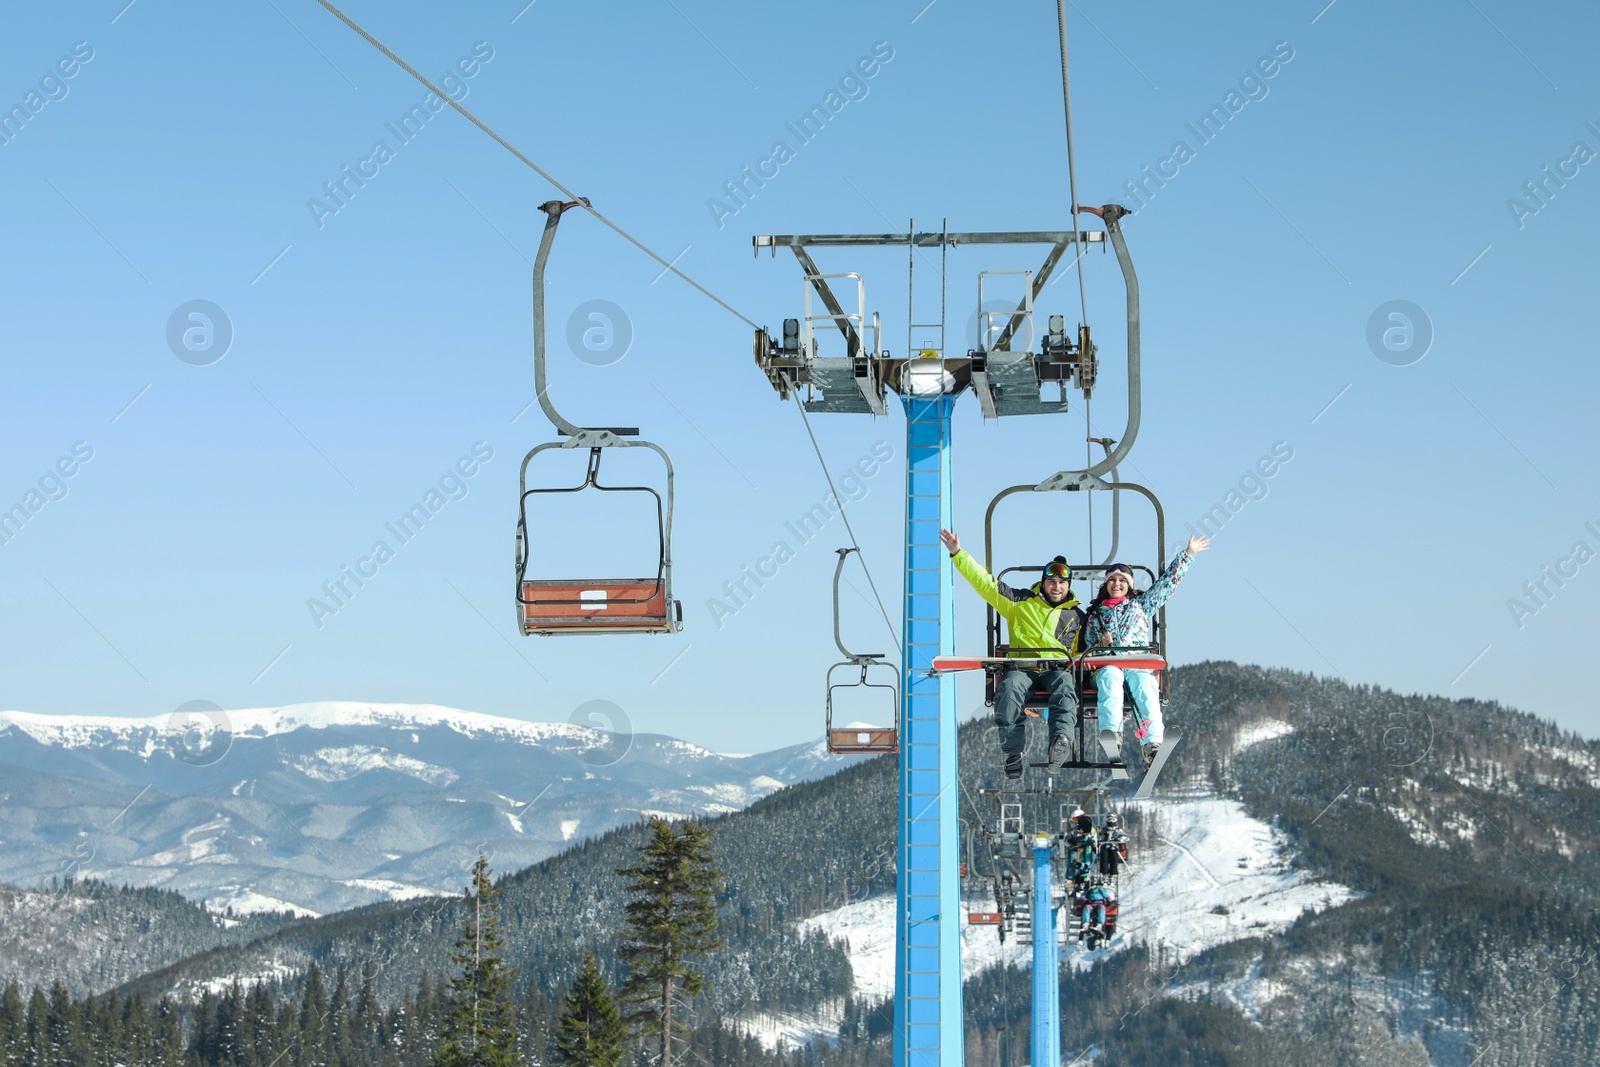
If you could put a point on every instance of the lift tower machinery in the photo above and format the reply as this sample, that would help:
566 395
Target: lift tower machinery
928 380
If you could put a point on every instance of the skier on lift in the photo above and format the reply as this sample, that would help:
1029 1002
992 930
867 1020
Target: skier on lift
1046 623
1095 905
1082 857
1118 617
1113 850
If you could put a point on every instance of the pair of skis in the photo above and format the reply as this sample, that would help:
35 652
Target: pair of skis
1147 777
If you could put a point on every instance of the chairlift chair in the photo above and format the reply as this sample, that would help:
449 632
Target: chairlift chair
1001 656
857 739
549 606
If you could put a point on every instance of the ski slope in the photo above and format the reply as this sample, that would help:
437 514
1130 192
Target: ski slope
1218 875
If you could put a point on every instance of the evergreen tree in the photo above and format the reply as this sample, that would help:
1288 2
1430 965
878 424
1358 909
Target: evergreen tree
38 1041
478 1028
672 917
591 1031
341 1053
368 1021
166 1035
13 1027
312 1047
58 1023
261 1028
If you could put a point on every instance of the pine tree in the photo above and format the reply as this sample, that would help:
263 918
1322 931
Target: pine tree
38 1040
13 1027
313 1043
591 1031
341 1052
672 917
478 1026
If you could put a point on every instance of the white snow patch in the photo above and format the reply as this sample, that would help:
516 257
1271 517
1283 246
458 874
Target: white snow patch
788 1031
1223 876
1259 731
1461 825
272 972
568 828
1220 876
245 901
342 764
728 793
1486 775
206 843
394 890
516 823
1420 831
868 928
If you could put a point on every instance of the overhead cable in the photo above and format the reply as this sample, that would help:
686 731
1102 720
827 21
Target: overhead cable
805 418
546 175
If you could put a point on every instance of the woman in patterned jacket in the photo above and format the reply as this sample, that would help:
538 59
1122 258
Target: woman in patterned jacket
1118 618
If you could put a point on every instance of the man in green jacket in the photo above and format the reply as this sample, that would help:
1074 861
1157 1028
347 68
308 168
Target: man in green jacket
1044 622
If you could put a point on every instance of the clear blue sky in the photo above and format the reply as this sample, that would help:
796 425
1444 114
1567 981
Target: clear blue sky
374 346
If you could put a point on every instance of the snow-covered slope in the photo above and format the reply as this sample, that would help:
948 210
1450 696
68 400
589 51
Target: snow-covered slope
1219 875
319 807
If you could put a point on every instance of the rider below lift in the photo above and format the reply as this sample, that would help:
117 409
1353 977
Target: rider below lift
1095 905
1082 854
1094 858
1045 623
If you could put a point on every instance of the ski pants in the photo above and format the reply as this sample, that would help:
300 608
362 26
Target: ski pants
1146 697
1013 689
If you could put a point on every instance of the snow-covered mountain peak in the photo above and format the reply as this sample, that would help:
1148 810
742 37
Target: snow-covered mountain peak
81 731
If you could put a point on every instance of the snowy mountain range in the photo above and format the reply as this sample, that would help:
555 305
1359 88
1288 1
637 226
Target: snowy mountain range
319 807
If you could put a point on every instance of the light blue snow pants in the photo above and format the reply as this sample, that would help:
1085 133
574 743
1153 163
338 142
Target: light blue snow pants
1146 697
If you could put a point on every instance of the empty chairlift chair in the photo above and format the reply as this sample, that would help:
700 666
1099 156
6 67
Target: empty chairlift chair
547 606
856 738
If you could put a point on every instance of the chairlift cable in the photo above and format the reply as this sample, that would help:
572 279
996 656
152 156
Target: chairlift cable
1088 461
1072 170
1077 238
546 175
806 419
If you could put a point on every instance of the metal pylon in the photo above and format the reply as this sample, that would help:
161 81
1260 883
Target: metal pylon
927 999
1046 1028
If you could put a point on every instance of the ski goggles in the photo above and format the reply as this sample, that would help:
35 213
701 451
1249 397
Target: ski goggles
1122 568
1057 570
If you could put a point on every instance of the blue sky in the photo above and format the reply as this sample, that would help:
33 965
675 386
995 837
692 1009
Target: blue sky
374 346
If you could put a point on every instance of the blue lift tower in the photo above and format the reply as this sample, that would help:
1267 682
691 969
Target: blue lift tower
1006 381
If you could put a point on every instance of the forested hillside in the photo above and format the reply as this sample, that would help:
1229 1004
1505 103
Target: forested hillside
90 936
